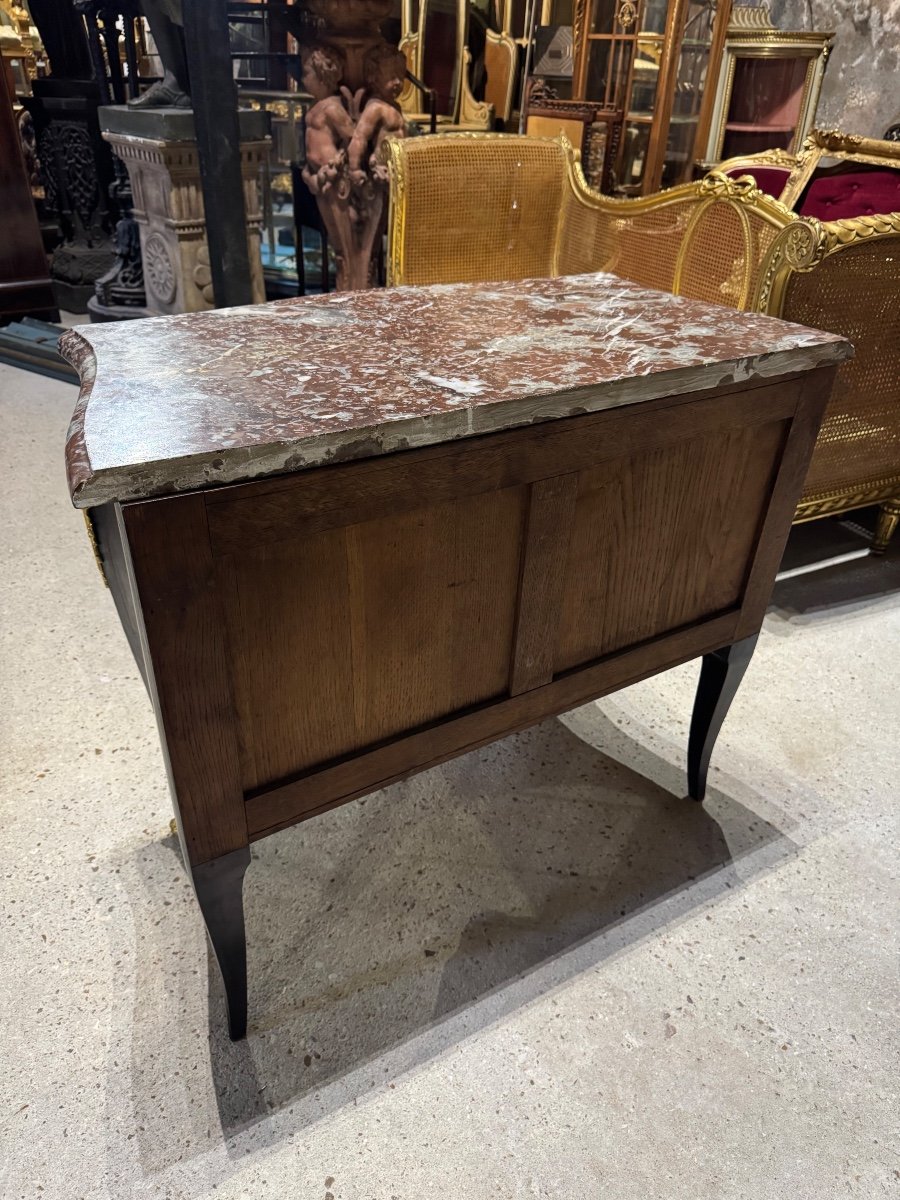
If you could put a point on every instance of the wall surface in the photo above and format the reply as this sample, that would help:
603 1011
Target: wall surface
860 93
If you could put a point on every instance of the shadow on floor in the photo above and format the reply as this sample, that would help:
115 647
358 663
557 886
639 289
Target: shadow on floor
834 583
383 933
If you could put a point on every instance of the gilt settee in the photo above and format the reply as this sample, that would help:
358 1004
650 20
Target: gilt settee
483 207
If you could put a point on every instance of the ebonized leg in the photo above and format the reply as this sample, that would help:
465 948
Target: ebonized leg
219 884
720 678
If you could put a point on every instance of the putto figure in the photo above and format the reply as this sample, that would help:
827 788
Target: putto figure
355 110
381 118
329 124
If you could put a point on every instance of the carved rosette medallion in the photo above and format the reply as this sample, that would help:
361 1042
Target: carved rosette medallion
158 269
804 245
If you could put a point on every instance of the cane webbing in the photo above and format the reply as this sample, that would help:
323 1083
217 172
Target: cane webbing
856 292
637 244
722 252
475 209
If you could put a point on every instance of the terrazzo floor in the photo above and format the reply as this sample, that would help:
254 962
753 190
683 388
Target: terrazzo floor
537 971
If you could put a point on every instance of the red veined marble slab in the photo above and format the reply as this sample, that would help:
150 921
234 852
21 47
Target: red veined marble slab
191 401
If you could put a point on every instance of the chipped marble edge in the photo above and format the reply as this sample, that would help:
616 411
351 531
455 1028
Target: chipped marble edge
78 352
220 467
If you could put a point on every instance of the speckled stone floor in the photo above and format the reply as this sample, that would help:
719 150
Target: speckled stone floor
537 971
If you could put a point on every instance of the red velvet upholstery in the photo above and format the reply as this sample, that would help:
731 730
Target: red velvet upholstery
856 194
770 180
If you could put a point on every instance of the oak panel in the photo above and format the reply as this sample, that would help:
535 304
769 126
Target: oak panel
245 515
663 538
550 510
812 394
347 637
180 619
288 621
420 749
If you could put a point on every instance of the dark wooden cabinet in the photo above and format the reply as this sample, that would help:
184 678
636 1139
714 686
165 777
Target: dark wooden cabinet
24 272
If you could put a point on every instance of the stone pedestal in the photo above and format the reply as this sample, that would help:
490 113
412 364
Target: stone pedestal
159 149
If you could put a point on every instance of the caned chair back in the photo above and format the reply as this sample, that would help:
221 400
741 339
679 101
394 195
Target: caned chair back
703 240
469 208
631 238
728 235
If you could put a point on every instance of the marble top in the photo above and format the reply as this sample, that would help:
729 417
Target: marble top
192 401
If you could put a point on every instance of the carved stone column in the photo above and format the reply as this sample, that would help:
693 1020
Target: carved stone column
159 150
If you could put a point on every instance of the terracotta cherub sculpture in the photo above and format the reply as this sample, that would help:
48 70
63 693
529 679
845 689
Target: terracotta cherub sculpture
329 124
385 72
342 141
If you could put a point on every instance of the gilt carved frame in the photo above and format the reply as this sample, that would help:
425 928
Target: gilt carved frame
468 113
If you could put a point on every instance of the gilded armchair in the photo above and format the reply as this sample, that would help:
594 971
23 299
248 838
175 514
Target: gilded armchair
474 207
844 276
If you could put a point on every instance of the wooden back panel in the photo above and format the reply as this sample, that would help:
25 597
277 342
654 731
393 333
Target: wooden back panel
663 538
356 623
368 629
410 606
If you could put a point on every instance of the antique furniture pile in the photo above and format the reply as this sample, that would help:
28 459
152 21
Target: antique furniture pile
652 68
338 567
486 208
679 85
437 39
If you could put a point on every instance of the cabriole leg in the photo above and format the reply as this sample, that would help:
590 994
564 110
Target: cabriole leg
219 886
888 520
720 678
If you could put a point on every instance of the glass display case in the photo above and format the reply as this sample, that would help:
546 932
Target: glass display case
768 87
605 50
689 94
657 61
278 248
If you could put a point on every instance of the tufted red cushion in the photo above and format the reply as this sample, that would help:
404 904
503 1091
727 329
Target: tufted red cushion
856 194
770 180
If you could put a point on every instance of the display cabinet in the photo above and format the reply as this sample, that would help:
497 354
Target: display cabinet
768 87
592 126
657 61
440 39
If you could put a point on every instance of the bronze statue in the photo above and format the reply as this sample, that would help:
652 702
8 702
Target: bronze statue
167 26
